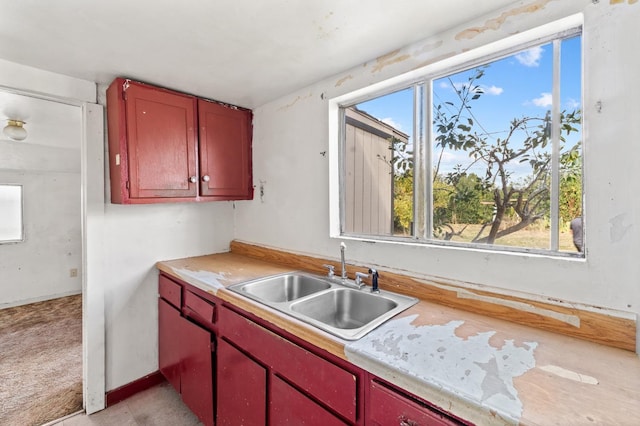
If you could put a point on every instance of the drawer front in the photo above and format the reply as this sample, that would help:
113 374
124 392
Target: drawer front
313 375
201 311
387 407
170 291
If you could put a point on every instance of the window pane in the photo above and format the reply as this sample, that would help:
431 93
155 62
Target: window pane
378 184
10 213
571 148
492 149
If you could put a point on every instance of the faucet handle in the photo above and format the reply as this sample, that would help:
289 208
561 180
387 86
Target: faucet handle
331 268
359 277
374 280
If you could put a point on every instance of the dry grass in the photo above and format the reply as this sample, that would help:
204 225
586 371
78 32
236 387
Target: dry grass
531 237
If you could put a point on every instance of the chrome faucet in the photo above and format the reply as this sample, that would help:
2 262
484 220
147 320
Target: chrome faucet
343 274
344 279
359 277
330 272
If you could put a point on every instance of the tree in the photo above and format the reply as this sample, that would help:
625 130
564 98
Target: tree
403 202
400 162
526 139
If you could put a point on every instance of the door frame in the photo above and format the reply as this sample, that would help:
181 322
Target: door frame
40 84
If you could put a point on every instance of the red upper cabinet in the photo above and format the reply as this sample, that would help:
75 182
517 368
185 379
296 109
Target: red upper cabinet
225 151
154 141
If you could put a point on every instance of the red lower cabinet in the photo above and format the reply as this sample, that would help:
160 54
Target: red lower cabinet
299 387
388 407
242 385
196 385
186 358
261 375
290 407
169 353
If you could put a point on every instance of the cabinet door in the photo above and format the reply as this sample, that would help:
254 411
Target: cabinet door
287 406
387 407
162 137
241 388
169 348
225 151
197 371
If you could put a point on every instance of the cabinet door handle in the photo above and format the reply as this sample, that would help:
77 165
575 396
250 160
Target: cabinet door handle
205 178
193 179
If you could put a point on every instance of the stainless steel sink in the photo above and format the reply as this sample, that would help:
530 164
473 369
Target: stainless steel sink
284 288
326 303
344 308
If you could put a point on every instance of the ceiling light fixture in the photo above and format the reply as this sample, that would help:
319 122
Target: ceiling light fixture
15 130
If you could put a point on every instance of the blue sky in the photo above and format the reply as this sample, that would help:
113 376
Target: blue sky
516 86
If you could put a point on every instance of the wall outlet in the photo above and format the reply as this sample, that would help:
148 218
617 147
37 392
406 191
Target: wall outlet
73 272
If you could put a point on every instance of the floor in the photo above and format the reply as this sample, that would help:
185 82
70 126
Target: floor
40 361
157 406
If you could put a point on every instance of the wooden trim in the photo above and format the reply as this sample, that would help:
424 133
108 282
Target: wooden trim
123 392
596 325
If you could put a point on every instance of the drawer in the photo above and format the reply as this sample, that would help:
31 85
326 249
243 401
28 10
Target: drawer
311 374
170 291
198 309
388 407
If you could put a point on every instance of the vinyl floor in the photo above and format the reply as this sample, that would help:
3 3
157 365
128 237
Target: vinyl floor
158 406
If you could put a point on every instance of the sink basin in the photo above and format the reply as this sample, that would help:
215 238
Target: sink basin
326 303
284 288
344 308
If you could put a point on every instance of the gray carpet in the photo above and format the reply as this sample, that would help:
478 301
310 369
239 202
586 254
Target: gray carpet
40 361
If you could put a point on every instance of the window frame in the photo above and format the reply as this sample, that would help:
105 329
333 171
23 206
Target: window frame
422 79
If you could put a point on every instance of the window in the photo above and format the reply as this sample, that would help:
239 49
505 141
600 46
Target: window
11 213
485 155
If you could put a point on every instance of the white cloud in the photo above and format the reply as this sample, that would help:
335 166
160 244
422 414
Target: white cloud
530 57
489 90
572 103
444 85
543 101
492 90
392 123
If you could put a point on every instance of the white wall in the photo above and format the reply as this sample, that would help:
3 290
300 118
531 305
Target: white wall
136 237
47 165
294 214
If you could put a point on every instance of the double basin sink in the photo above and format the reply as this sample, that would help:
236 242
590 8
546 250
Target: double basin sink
326 303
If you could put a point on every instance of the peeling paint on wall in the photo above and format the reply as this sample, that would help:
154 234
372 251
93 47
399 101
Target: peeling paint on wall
613 2
434 60
618 229
435 356
389 59
495 24
295 101
342 80
428 47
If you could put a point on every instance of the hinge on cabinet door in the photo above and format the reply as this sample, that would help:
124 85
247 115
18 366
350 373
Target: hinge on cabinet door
127 184
125 85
